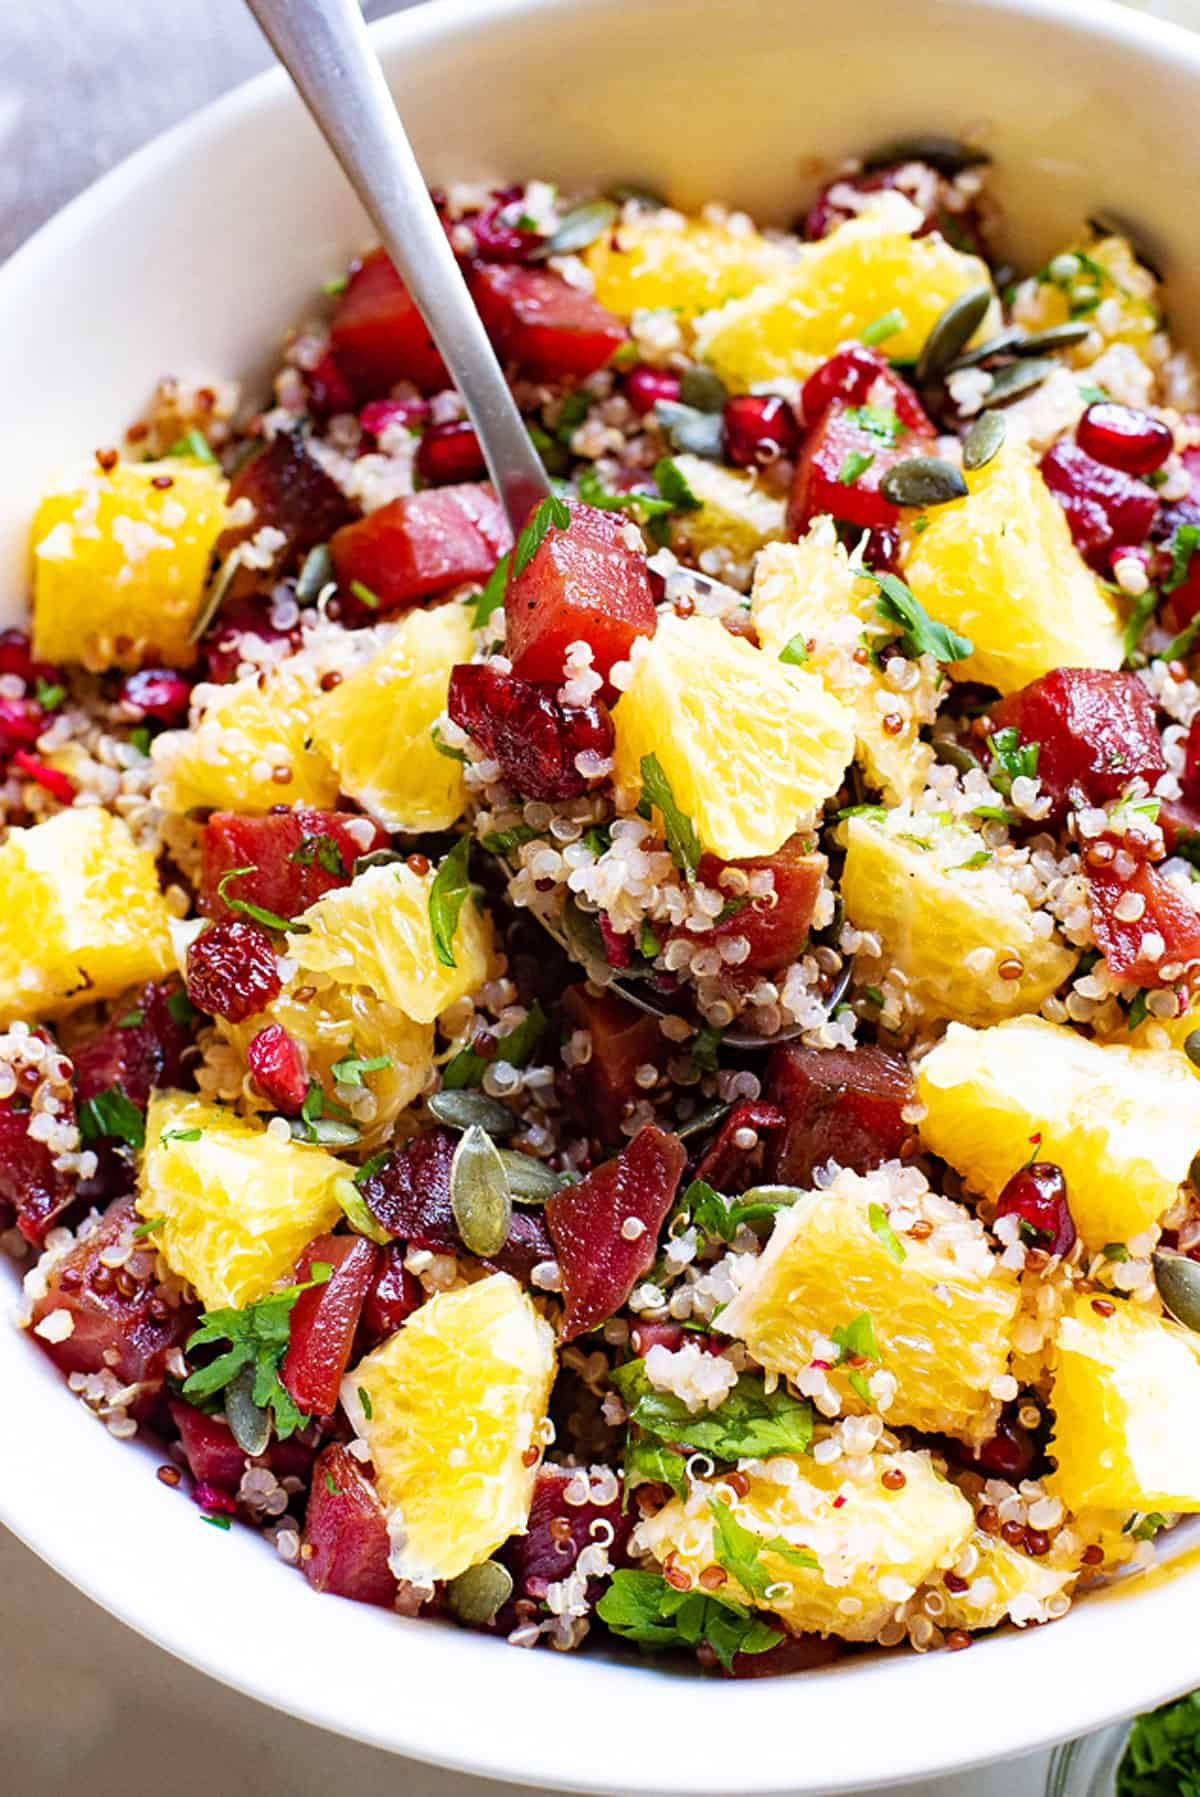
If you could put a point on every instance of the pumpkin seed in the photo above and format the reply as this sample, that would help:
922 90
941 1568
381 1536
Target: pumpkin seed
632 190
360 1218
1109 224
952 331
1178 1282
530 1181
377 858
954 754
578 228
583 942
948 155
983 439
460 1109
324 1132
1191 1048
249 1425
697 432
215 597
315 575
1005 343
703 388
479 1193
1056 336
707 1118
923 480
476 1594
1011 382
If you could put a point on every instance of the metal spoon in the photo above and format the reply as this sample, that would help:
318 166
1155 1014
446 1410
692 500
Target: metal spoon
324 46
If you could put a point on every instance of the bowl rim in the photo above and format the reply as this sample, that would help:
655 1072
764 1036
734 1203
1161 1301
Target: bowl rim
1117 1683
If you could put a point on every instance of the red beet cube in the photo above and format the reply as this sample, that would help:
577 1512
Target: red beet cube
558 1532
623 1039
423 544
346 1529
535 740
324 1320
1096 732
126 1332
548 328
856 376
1104 506
599 1263
30 1184
841 1104
392 1296
379 337
585 584
213 1456
1128 944
146 1046
1189 779
776 928
724 1164
291 493
297 856
450 452
278 1063
839 469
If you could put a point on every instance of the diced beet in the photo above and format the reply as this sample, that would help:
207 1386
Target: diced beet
1103 505
278 1064
16 657
448 453
522 726
645 386
1096 730
795 1653
378 335
1179 821
548 328
346 1530
856 376
145 1046
232 970
599 1264
393 1295
290 493
1124 438
324 1320
213 1456
221 644
1127 944
160 694
297 857
1189 779
31 1186
1037 1196
759 428
623 1039
724 1164
328 389
423 544
585 584
838 471
777 927
841 1104
558 1532
644 1336
123 1321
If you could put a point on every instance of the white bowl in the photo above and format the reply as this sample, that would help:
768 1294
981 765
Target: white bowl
191 259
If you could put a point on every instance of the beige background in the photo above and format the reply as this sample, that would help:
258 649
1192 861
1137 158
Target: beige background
86 1706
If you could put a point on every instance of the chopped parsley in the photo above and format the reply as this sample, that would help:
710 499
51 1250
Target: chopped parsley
750 1422
365 594
878 421
883 1231
1011 759
641 1606
193 443
919 633
270 920
350 1069
880 329
1138 1008
1183 546
648 944
571 414
1181 645
147 1228
444 748
364 1398
469 1066
492 596
322 851
323 1121
795 652
738 1548
112 1113
1140 614
447 896
180 1135
703 1208
257 1337
682 840
503 842
552 511
131 1019
854 463
855 1341
973 863
50 694
705 1047
1162 1757
181 1009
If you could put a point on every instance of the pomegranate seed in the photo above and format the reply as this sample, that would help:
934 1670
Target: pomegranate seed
232 970
21 723
16 656
1008 1454
645 386
1124 438
158 693
1038 1196
618 944
51 779
498 241
210 1499
277 1062
448 453
378 415
759 428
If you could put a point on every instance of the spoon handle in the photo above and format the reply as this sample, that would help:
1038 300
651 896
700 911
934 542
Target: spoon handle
325 48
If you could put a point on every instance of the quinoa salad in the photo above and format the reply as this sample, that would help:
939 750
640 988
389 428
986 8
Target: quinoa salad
636 1086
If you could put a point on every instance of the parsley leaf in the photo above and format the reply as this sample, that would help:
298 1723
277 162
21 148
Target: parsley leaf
468 1066
447 896
854 463
1140 614
270 920
503 842
324 851
881 1228
1181 645
880 329
719 1217
919 633
1184 543
258 1337
795 652
856 1340
750 1422
552 511
111 1113
641 1606
704 1048
737 1549
193 443
679 830
50 694
1011 759
323 1121
672 484
1162 1757
650 1462
350 1069
877 421
181 1135
492 596
593 492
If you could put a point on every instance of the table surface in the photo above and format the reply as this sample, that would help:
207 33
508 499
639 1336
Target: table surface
83 82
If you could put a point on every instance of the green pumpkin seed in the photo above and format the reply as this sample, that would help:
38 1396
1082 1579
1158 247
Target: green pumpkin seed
476 1594
1178 1282
923 480
1011 382
952 331
632 190
315 575
462 1108
377 858
954 754
1005 343
1056 336
707 1118
697 432
324 1132
983 439
361 1219
703 388
581 226
248 1424
1191 1048
530 1181
479 1193
215 597
948 155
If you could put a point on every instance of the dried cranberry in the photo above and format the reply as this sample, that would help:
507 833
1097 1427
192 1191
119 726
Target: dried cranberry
759 428
144 1047
157 693
1122 437
449 453
292 494
497 238
328 389
618 944
1037 1195
934 194
32 1188
645 386
1104 506
16 654
277 1062
520 725
232 970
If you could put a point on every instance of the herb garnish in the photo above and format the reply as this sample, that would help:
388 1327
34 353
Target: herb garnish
112 1113
881 1228
258 1337
750 1422
1011 759
446 898
703 1208
469 1066
737 1549
193 443
552 511
682 840
641 1606
880 329
919 633
350 1069
1162 1758
795 651
270 920
854 463
322 850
